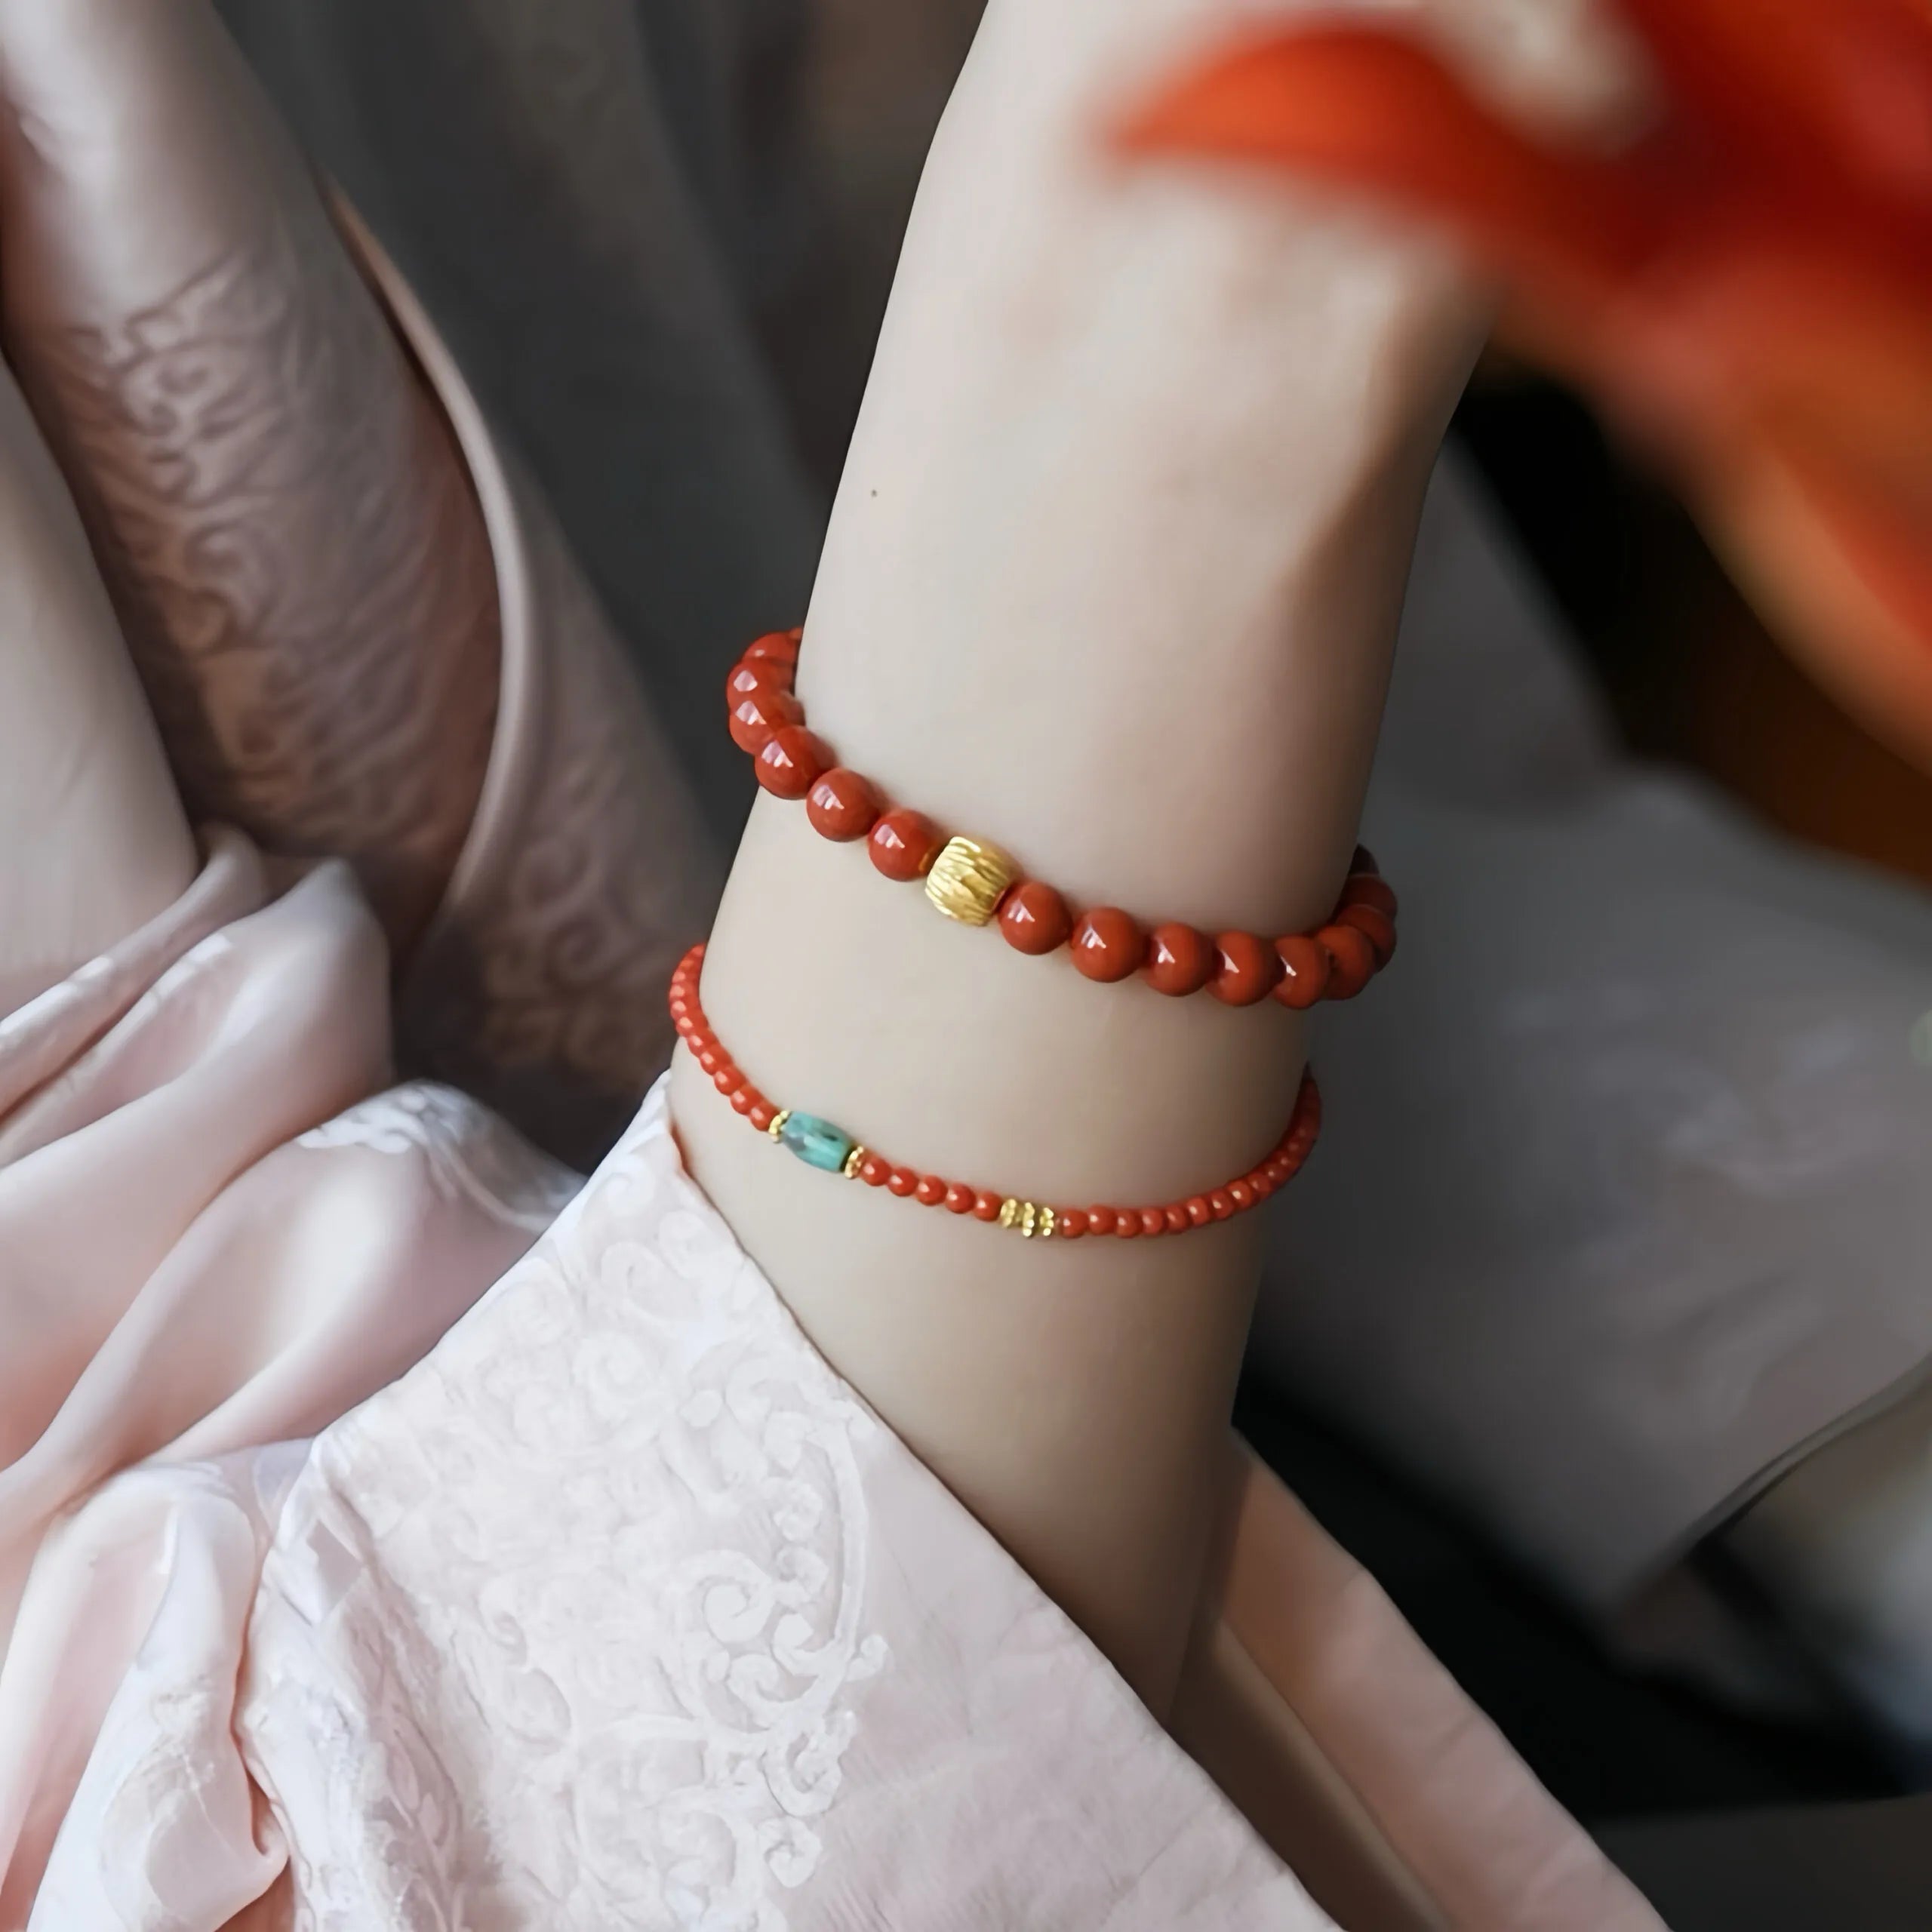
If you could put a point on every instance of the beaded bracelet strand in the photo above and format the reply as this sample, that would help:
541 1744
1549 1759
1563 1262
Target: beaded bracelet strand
819 1144
972 881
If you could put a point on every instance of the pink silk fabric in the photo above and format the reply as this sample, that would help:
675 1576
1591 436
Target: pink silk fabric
396 1531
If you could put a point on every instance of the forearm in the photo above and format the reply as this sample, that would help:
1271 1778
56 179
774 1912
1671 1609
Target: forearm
1112 581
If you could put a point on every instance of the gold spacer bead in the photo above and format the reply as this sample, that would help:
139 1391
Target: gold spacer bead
968 880
850 1169
1027 1218
777 1129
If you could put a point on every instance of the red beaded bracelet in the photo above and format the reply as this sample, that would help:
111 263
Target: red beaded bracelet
819 1144
977 884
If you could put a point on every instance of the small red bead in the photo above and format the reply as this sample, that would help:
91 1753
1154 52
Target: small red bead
873 1171
754 719
1242 1194
791 762
904 844
1069 1223
1199 1212
1102 1221
1370 889
1153 1221
1034 918
1179 960
842 805
743 1099
1262 1182
1176 1218
902 1181
727 1079
1245 968
986 1207
774 647
930 1192
763 1114
958 1199
1304 970
1376 928
1219 1204
1351 960
1126 1224
1108 945
711 1057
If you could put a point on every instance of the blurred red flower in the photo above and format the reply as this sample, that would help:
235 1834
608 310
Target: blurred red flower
1746 282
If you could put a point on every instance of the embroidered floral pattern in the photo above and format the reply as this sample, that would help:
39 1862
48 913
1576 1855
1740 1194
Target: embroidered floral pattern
471 1154
618 1514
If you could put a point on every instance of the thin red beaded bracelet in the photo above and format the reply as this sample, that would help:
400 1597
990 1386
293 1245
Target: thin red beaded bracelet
831 1148
976 883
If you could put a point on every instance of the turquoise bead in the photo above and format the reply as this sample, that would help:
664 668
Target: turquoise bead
817 1143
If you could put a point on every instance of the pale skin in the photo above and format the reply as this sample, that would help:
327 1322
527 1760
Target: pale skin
1113 580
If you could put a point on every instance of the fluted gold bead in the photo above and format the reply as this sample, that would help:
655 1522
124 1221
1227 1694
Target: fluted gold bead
1009 1212
850 1169
968 880
777 1129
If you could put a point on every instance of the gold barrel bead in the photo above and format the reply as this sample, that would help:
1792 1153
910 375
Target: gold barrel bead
968 880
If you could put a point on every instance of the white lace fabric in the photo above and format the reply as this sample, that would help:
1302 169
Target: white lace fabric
621 1609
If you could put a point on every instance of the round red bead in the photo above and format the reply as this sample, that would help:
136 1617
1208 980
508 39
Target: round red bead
1199 1213
1351 960
1179 960
1370 889
930 1192
1126 1224
958 1199
1245 968
755 681
1242 1194
1108 945
1153 1221
1102 1221
1219 1204
1176 1218
904 844
727 1079
1304 970
754 719
1034 918
986 1207
1375 927
774 647
743 1099
902 1181
873 1171
791 762
762 1115
842 805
